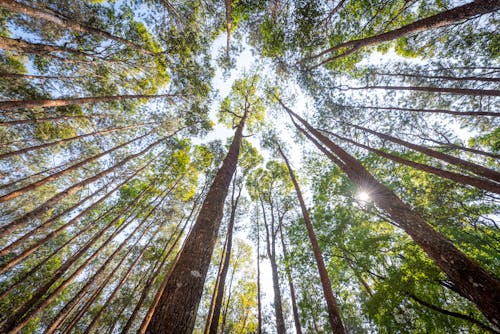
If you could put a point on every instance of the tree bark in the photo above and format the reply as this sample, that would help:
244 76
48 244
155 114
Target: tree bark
439 77
429 89
48 103
470 166
259 302
331 302
65 22
480 286
457 14
459 178
175 310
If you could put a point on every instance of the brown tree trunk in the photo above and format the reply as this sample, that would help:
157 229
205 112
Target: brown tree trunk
48 103
331 302
450 145
49 119
62 141
259 302
467 11
459 178
21 46
175 309
439 77
288 269
429 89
470 166
441 111
271 254
480 286
31 76
215 313
65 22
229 22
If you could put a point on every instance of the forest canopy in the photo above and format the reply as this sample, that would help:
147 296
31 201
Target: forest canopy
249 166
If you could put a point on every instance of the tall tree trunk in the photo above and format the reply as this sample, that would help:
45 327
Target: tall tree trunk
229 22
48 103
432 111
175 309
219 289
31 76
271 254
50 119
66 140
65 22
21 46
470 166
452 146
459 178
478 285
333 311
430 89
288 269
259 302
439 77
457 14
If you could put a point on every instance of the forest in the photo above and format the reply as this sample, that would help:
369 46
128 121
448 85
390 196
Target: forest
249 166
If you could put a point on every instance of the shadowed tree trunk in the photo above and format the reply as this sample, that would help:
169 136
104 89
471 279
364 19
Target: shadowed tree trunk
174 311
475 283
430 89
432 111
467 11
333 311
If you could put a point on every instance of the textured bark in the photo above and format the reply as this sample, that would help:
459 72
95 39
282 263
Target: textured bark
450 145
65 22
459 178
478 285
331 302
48 103
259 302
229 22
50 119
219 289
288 269
432 111
458 14
66 140
175 310
470 166
18 45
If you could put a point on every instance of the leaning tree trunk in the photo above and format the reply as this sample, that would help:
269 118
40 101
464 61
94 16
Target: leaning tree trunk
455 15
439 77
430 89
65 22
175 309
333 311
432 111
474 282
48 103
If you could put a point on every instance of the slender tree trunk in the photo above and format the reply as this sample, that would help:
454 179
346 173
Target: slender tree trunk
50 119
478 285
21 46
215 315
439 77
333 311
470 166
288 269
458 14
259 302
229 22
65 22
175 309
429 89
271 254
459 178
66 140
31 76
432 111
48 103
452 146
